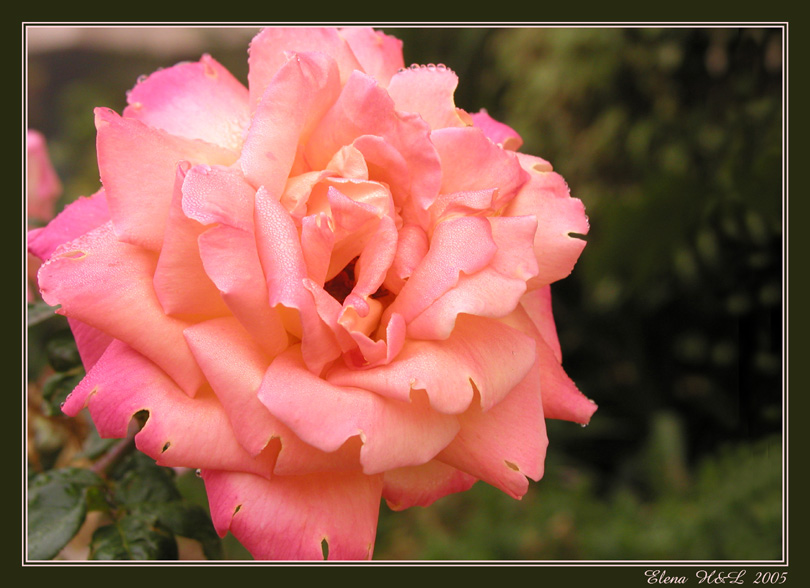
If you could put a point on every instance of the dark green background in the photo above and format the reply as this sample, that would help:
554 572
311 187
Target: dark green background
672 320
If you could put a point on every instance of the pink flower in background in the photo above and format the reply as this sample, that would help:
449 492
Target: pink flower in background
42 189
43 184
327 288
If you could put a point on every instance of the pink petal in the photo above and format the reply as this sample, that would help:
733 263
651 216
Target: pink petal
295 99
537 304
423 485
458 246
412 246
285 270
379 54
481 354
428 91
90 342
349 163
507 443
288 517
363 109
357 210
496 131
546 196
234 366
199 100
470 162
413 183
494 291
107 284
317 243
138 167
463 204
270 49
298 191
241 280
180 431
180 281
222 197
77 218
373 352
561 398
394 433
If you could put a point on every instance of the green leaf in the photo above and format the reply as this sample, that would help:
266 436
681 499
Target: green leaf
186 520
148 490
39 312
63 354
57 506
56 390
136 536
139 480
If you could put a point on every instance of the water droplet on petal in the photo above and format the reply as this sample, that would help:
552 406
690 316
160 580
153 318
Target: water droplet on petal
431 66
414 66
441 66
198 473
142 78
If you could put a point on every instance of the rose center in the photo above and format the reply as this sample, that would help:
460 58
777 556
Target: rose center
342 284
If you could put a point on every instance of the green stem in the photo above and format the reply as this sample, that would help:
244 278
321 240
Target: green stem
114 456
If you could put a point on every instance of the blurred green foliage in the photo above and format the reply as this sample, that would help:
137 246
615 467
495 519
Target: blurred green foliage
671 321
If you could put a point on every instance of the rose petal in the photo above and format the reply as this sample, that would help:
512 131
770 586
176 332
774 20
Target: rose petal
180 281
561 398
199 100
364 108
77 218
496 131
138 164
222 197
423 485
412 246
379 54
235 366
471 162
494 291
507 443
546 196
285 270
481 354
270 49
180 431
108 285
289 517
428 91
459 246
394 433
295 99
537 305
90 342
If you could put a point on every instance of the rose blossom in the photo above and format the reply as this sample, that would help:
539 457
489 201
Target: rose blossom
43 184
42 189
326 288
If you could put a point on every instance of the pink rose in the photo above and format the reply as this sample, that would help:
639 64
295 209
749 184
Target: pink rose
43 184
42 189
326 288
